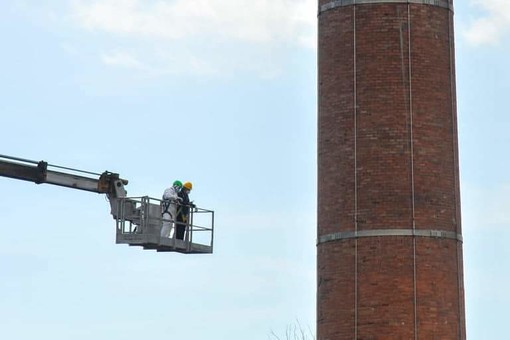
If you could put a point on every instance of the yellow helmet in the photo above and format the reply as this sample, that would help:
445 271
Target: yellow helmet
188 185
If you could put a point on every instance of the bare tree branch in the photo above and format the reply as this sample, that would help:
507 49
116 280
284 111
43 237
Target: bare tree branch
294 332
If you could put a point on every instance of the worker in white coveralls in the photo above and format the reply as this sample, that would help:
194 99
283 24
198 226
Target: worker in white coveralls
169 207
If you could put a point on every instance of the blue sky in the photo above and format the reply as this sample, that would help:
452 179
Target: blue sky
221 93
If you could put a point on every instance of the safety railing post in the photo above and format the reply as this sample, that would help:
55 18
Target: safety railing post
212 229
120 215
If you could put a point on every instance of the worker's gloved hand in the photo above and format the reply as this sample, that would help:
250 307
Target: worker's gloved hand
178 199
192 205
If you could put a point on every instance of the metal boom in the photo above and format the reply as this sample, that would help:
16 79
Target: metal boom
37 172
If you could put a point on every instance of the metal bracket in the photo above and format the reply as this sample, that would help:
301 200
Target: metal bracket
390 232
448 4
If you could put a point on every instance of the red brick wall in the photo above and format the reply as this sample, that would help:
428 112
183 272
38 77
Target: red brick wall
388 159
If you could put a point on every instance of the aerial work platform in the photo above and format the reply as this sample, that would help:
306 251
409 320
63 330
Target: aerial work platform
139 222
138 219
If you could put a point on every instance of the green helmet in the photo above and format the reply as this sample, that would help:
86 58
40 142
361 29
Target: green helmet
177 184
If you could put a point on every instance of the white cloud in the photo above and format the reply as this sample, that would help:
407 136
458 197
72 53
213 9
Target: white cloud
122 59
156 62
261 21
157 38
493 26
198 37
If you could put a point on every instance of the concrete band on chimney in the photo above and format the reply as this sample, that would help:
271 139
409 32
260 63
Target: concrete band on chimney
342 3
434 233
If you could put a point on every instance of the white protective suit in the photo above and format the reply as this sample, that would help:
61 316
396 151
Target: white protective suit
169 210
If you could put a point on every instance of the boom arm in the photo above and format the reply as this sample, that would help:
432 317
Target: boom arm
108 183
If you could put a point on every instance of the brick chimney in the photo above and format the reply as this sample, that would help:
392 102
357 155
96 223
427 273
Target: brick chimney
389 246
